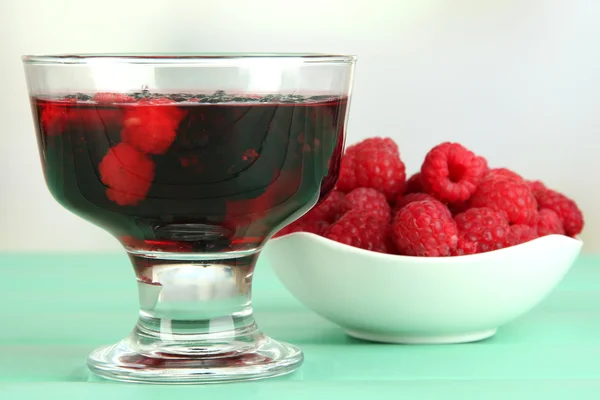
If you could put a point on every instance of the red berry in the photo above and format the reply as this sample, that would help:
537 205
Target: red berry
372 167
488 229
464 247
508 196
376 143
329 209
523 233
127 173
111 98
425 228
414 184
53 118
549 223
363 230
536 187
566 209
409 198
152 128
304 225
368 200
451 172
505 173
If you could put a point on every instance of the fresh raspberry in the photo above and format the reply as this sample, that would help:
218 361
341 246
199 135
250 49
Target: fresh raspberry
505 173
523 233
53 118
409 198
549 223
536 187
566 209
368 200
127 173
425 228
361 229
371 167
508 196
303 224
451 172
112 98
414 184
329 209
488 229
464 247
151 128
375 143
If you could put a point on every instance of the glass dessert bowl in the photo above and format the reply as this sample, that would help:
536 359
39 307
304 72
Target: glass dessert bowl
192 162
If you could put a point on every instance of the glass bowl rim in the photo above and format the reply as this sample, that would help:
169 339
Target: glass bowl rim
186 58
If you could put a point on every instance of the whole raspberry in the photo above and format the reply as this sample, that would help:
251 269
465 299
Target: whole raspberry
329 209
304 225
369 200
376 143
108 98
549 223
488 229
464 247
363 230
53 118
425 228
508 196
523 233
372 167
451 172
409 198
502 173
414 184
127 173
151 128
536 187
566 209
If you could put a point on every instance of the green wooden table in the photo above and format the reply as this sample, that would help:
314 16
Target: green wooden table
56 308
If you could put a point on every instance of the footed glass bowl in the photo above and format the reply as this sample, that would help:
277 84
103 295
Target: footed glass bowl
192 162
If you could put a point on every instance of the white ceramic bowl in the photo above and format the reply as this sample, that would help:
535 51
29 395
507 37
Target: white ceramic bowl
400 299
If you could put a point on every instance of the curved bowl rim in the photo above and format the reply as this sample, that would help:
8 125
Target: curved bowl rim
336 246
185 58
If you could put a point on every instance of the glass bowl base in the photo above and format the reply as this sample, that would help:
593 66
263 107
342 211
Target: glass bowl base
125 361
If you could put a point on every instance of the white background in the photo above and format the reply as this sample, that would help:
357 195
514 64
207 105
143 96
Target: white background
516 81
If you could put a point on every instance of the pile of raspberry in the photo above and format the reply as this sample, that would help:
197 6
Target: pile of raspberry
128 169
455 205
148 130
